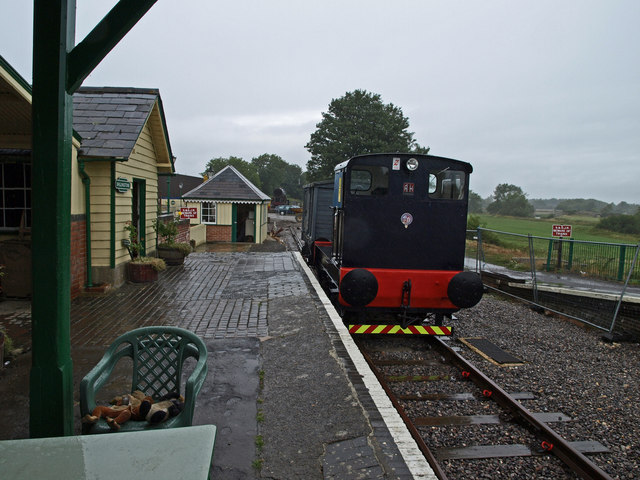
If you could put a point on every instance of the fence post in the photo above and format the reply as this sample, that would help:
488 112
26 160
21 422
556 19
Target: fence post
479 251
570 263
624 289
623 251
532 261
549 255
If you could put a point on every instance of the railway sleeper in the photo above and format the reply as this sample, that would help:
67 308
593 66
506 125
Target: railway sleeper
546 417
515 450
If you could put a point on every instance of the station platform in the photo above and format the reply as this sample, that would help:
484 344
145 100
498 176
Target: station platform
286 389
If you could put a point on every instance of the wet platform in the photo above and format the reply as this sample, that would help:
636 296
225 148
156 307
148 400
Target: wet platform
285 391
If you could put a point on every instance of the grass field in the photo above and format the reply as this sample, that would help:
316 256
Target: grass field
512 251
583 228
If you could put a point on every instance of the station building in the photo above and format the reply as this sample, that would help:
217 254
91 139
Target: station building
120 150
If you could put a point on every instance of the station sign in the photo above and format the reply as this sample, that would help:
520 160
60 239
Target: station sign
189 212
122 185
561 230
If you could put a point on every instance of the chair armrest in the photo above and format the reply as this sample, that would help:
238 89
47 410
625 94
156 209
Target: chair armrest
194 383
98 376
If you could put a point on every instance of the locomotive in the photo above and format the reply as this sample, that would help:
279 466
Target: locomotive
387 238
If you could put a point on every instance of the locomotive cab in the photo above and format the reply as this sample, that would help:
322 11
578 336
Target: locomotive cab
399 234
388 235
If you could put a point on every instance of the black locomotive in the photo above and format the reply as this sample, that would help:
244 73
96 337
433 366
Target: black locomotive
388 235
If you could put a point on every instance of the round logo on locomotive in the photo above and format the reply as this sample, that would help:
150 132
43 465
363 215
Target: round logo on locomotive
406 219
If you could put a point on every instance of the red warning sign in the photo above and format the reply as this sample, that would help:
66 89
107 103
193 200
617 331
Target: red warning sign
189 212
561 230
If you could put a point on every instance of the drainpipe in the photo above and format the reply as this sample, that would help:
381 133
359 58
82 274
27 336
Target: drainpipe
168 193
86 181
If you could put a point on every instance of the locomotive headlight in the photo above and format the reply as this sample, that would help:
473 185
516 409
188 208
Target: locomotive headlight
412 164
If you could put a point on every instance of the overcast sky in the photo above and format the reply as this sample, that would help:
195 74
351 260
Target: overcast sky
541 94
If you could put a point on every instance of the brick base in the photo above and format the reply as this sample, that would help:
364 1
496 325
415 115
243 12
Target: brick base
219 233
78 255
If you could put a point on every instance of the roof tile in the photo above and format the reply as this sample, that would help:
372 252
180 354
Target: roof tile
110 119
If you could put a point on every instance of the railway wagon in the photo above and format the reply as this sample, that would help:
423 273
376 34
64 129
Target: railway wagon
387 235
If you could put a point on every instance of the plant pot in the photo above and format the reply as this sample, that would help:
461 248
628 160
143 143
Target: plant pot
138 272
171 256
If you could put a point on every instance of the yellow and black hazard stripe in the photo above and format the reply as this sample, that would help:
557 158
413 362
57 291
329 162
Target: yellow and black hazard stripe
398 330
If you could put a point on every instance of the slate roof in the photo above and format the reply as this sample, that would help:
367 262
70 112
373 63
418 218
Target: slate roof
110 119
189 182
228 184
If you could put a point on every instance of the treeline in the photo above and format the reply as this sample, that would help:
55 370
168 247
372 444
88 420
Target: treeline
510 200
267 172
621 223
590 206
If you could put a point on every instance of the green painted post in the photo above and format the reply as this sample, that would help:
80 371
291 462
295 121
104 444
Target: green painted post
168 193
234 221
59 69
549 255
623 252
51 379
570 264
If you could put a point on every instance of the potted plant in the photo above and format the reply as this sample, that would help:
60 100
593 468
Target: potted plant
172 252
141 269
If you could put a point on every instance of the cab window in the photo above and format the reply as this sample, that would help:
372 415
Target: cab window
369 180
447 184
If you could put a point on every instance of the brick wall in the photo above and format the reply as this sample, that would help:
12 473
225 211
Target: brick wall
218 233
78 255
183 228
183 231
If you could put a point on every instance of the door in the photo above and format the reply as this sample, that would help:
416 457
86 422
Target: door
244 223
138 217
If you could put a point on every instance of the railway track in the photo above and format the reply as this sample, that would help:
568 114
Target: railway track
465 424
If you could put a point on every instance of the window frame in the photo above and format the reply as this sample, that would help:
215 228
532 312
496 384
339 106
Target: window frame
25 190
443 177
211 207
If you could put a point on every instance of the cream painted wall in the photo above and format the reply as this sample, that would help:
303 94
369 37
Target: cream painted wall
142 164
100 175
198 233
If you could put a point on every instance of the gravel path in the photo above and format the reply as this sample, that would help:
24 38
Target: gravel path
571 370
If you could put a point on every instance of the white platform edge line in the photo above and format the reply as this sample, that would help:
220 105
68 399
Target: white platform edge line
413 457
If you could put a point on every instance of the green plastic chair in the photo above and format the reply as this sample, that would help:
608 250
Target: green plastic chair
158 355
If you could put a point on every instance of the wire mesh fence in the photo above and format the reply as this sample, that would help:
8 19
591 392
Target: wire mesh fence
594 282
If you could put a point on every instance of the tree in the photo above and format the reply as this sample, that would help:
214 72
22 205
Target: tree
245 168
274 173
475 202
355 124
510 200
621 223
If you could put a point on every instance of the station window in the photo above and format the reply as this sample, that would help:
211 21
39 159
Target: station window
369 180
15 195
448 184
208 212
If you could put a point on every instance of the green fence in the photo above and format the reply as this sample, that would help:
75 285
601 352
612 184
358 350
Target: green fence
595 282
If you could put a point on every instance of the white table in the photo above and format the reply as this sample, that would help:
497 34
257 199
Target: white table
170 454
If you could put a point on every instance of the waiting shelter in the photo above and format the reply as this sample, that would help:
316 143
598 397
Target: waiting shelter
228 207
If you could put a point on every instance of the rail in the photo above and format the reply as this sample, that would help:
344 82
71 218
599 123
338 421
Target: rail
556 444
